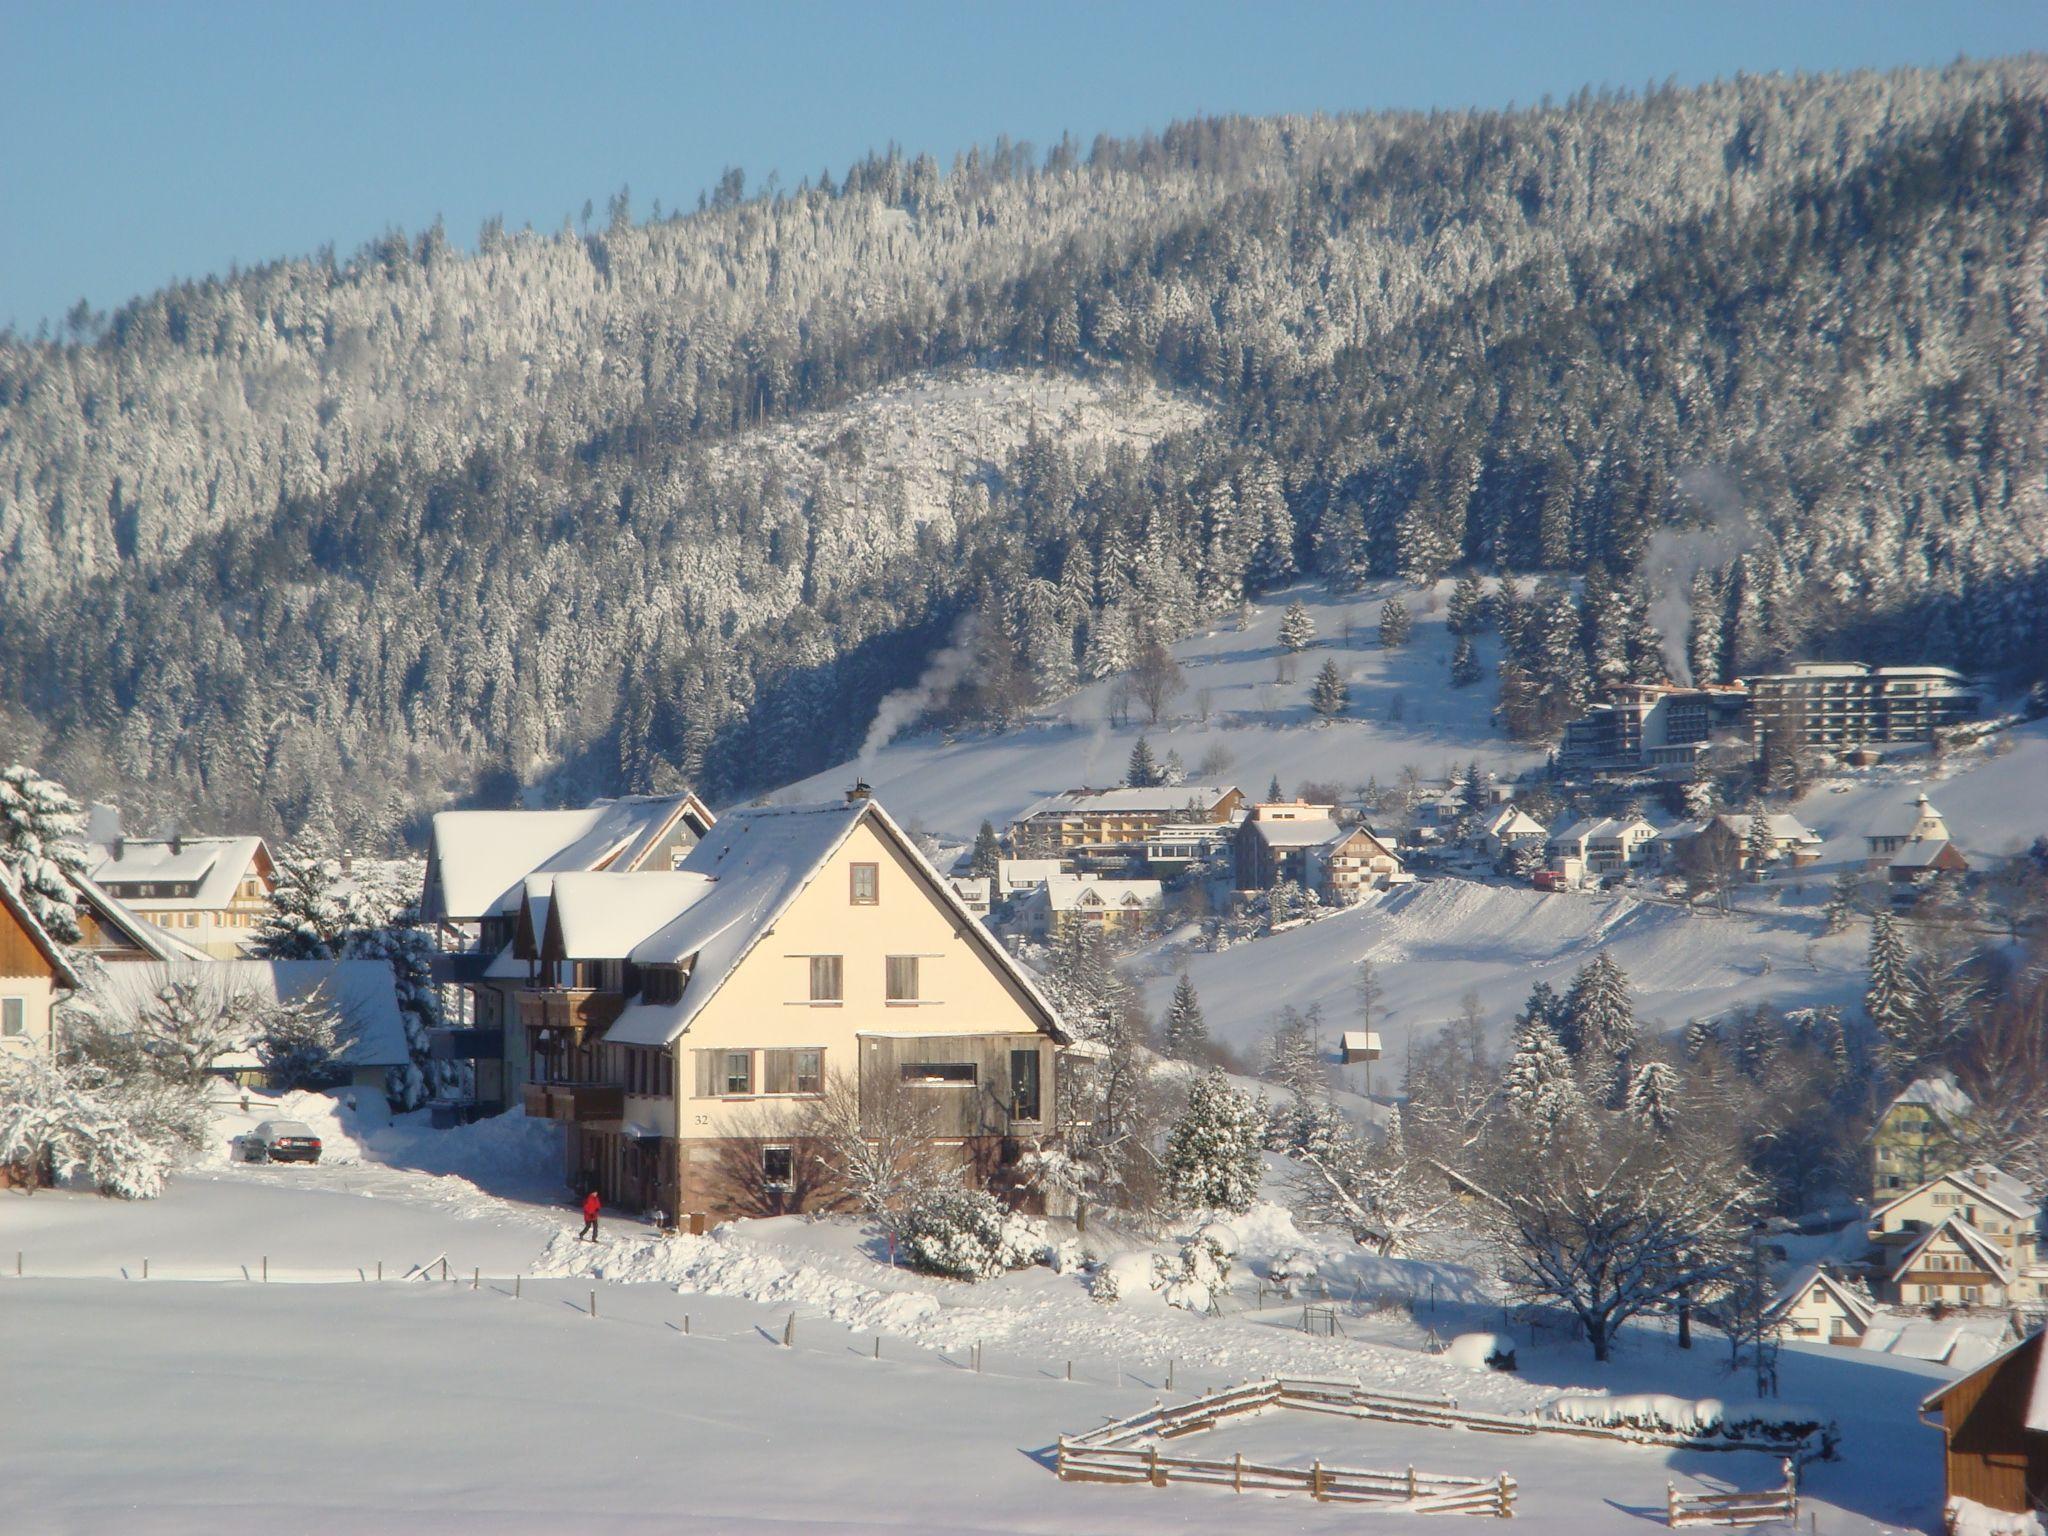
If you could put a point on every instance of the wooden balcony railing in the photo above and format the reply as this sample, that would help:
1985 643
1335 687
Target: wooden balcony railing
571 1009
576 1103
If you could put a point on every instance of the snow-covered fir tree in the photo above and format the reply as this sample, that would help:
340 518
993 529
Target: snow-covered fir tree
1396 623
1466 614
986 861
1143 770
297 1044
1653 1094
1297 627
1330 695
1465 668
42 845
1887 1000
1538 1083
1845 899
1757 845
1186 1035
1600 1026
308 918
1212 1159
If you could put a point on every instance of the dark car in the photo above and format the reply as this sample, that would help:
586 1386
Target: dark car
281 1141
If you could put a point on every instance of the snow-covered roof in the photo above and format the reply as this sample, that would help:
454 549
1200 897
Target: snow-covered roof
214 865
1587 829
1852 1302
1965 1237
1783 828
2036 1414
362 993
1990 1184
112 914
970 887
479 857
1901 817
1161 799
1308 832
603 916
1938 1094
1512 821
757 860
12 900
1070 893
1920 853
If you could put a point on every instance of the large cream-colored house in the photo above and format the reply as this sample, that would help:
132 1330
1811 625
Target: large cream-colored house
680 1023
210 892
1965 1238
34 977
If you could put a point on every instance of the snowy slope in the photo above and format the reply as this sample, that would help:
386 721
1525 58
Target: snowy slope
1432 942
1263 727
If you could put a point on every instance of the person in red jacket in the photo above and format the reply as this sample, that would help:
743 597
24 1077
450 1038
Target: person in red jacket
591 1205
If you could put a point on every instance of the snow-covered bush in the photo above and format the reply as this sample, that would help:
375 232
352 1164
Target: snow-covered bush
1966 1517
1203 1268
1482 1352
1103 1285
1293 1271
968 1234
297 1043
76 1118
1784 1424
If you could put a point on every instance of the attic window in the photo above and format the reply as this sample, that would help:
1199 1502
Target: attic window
865 884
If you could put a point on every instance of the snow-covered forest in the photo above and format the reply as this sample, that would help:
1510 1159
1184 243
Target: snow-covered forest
634 503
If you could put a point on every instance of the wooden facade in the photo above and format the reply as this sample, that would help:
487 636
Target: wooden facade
1992 1457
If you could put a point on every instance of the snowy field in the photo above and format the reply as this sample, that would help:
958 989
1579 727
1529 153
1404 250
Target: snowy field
207 1399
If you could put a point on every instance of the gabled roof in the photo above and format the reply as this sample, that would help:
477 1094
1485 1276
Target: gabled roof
1965 1237
1783 828
115 916
1065 893
1992 1185
1938 1094
1160 799
1899 818
603 916
478 858
1920 853
1588 828
1511 820
1308 832
758 861
1845 1296
13 903
215 865
363 994
2036 1415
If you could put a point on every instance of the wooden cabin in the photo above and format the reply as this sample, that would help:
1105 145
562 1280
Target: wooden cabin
1994 1427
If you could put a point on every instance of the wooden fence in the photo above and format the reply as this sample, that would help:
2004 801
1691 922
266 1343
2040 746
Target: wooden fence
1763 1507
1127 1451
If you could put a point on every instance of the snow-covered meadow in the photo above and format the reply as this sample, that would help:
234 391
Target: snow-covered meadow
323 1399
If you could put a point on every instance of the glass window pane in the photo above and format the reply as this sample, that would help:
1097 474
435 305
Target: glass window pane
739 1071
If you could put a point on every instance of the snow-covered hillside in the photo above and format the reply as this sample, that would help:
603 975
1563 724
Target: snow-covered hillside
1233 715
1431 943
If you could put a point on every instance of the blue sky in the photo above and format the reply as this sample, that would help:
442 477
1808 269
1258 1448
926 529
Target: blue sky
143 142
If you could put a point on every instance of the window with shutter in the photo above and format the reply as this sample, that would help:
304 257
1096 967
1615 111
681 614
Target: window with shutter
708 1064
902 980
827 979
739 1072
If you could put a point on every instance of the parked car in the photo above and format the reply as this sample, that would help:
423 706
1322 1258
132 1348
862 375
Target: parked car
280 1141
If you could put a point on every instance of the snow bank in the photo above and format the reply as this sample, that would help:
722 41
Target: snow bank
1642 1410
1966 1517
723 1264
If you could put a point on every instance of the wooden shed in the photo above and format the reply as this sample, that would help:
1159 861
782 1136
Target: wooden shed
1995 1425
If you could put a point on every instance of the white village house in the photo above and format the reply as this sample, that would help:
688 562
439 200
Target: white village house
1509 826
1814 1304
1602 845
1065 902
211 892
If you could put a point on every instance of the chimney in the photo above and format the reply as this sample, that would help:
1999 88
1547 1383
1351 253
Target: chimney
177 844
120 847
348 862
859 792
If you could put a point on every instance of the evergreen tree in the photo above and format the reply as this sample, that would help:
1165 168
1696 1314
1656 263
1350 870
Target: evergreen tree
1273 790
1465 668
307 918
1701 1036
1212 1157
1297 627
42 847
296 1042
1187 1036
1653 1097
1143 772
1330 695
1757 846
1600 1025
1395 623
1845 896
986 861
1538 1083
1293 1059
1467 611
1888 999
1699 795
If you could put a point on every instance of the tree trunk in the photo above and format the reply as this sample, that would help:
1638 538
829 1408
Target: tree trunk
1596 1332
1685 1325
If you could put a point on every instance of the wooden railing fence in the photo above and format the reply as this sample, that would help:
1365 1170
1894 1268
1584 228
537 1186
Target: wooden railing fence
1762 1507
1127 1451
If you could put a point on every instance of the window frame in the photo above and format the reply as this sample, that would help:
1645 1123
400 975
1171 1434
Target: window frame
17 1027
939 1074
788 1154
873 871
724 1079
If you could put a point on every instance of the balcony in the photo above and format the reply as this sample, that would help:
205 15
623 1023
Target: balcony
571 1009
466 1045
576 1103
